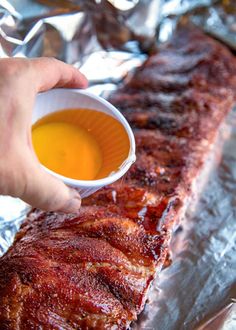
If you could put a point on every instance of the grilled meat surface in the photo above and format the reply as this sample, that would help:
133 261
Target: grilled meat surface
92 270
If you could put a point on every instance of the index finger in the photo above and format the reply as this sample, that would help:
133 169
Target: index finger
51 73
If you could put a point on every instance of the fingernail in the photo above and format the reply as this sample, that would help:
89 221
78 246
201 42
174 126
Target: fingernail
73 204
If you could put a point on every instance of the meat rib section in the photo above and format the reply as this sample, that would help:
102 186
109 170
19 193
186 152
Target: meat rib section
93 270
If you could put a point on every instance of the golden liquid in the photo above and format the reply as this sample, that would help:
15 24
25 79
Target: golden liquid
83 145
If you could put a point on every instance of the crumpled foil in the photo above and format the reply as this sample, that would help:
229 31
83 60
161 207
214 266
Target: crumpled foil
107 39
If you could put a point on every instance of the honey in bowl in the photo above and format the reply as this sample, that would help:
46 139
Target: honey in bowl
80 144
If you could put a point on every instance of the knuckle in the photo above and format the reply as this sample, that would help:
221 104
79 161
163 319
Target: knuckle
50 60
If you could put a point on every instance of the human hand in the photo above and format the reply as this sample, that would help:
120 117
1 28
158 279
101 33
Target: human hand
21 174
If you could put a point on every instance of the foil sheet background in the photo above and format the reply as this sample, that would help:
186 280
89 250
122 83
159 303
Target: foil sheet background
107 39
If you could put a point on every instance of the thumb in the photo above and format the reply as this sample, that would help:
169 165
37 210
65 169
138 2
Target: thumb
44 191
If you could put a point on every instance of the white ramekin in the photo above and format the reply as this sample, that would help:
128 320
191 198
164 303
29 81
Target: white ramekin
59 99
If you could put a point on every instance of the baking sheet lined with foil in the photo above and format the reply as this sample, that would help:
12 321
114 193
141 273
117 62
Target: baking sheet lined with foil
107 39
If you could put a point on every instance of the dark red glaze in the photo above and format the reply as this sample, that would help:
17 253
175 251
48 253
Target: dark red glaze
92 270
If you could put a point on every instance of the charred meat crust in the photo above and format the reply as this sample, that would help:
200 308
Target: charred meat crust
93 270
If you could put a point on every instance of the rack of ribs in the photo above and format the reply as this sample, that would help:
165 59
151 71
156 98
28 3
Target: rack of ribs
92 270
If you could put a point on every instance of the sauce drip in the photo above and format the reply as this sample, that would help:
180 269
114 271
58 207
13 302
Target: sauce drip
82 145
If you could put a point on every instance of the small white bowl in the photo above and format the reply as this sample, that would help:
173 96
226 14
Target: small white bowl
59 99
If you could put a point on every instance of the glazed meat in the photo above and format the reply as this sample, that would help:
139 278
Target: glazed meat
93 270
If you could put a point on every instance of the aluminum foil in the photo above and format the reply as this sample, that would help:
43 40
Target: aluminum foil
107 39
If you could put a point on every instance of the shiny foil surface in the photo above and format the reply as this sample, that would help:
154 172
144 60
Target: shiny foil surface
107 39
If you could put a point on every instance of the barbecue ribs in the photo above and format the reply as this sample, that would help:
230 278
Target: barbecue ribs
93 270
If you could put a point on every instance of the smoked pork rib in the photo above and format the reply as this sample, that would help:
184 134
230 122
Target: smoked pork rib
93 270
